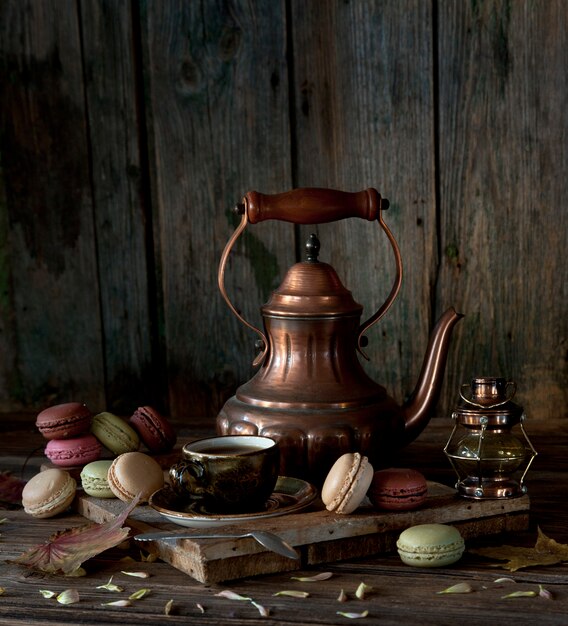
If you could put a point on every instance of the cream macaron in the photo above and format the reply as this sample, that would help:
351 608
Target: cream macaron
430 545
347 483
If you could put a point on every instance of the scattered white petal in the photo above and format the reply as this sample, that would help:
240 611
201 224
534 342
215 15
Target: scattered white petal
353 615
292 593
138 595
544 593
168 607
127 559
200 607
110 586
362 591
311 579
264 612
77 573
231 595
137 574
69 596
118 603
46 593
520 594
342 597
503 580
459 588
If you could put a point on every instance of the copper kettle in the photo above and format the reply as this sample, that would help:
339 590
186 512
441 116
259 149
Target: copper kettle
311 392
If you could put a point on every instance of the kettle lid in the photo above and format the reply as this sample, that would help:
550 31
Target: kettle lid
312 289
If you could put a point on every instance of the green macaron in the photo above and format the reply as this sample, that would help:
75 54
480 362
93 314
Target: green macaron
115 433
94 479
430 545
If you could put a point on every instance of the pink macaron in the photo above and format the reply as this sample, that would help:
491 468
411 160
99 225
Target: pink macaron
154 429
63 421
72 452
398 489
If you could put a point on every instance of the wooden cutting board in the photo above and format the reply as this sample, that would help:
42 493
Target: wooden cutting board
318 535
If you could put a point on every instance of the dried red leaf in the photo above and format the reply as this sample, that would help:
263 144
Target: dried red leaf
66 550
11 489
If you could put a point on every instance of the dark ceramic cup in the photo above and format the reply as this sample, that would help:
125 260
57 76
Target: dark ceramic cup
231 474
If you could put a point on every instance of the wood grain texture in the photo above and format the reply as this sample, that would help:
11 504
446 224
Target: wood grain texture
503 151
50 299
364 118
218 109
123 227
129 130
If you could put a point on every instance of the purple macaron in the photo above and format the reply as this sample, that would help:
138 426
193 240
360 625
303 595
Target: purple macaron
154 429
398 489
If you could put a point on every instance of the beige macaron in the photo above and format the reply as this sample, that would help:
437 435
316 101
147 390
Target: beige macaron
135 473
49 493
347 483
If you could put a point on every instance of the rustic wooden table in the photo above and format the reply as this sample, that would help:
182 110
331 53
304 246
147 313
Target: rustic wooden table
400 594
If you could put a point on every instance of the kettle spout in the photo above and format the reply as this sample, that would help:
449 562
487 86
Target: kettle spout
418 408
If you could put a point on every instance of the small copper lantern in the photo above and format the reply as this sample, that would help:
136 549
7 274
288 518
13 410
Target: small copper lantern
486 456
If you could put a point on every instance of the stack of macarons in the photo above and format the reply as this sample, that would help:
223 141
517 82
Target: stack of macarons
67 429
76 442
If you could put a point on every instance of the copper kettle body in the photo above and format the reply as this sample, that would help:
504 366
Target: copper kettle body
311 393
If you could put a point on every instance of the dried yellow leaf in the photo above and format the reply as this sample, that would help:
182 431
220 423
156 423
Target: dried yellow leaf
545 552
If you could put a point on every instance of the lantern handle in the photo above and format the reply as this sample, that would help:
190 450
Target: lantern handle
510 383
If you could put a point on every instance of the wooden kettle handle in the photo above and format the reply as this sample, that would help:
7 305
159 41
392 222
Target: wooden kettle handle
312 205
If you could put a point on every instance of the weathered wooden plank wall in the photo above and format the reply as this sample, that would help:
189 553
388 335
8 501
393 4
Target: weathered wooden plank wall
128 131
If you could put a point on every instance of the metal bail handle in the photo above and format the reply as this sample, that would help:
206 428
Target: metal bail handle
312 205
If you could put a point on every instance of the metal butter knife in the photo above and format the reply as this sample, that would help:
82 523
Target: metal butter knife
268 540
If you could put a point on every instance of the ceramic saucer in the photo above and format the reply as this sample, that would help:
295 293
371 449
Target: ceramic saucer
290 495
